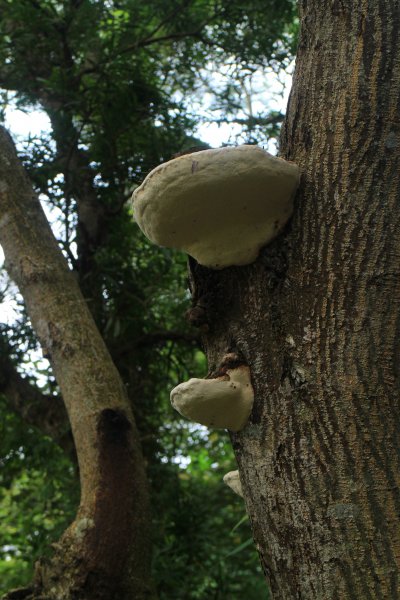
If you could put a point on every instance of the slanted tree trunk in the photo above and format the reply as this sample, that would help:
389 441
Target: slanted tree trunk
105 553
317 318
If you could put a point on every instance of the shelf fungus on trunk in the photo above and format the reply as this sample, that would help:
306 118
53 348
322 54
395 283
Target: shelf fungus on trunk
232 480
221 403
221 206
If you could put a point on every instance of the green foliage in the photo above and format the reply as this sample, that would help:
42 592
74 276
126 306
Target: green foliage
39 493
118 80
203 544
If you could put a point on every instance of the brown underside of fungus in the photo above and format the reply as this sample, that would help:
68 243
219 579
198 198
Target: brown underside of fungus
220 206
221 403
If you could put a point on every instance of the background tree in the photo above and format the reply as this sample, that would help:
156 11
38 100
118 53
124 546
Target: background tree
114 80
317 319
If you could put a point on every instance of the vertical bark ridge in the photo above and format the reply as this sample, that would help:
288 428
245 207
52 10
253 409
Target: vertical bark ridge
357 306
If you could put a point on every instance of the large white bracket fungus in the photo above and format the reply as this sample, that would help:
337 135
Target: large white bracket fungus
224 402
232 480
220 206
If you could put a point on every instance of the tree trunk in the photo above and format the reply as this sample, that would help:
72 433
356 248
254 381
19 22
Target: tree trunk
317 318
105 553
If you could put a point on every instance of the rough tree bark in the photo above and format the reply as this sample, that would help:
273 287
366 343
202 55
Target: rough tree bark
317 318
104 554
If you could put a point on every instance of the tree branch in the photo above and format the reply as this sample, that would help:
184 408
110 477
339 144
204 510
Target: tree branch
252 120
168 18
197 33
114 499
155 338
162 38
43 411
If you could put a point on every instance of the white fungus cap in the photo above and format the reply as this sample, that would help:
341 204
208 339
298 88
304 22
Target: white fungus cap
221 403
232 479
220 206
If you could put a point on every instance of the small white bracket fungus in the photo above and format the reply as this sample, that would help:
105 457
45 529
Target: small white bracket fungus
232 480
224 402
220 206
